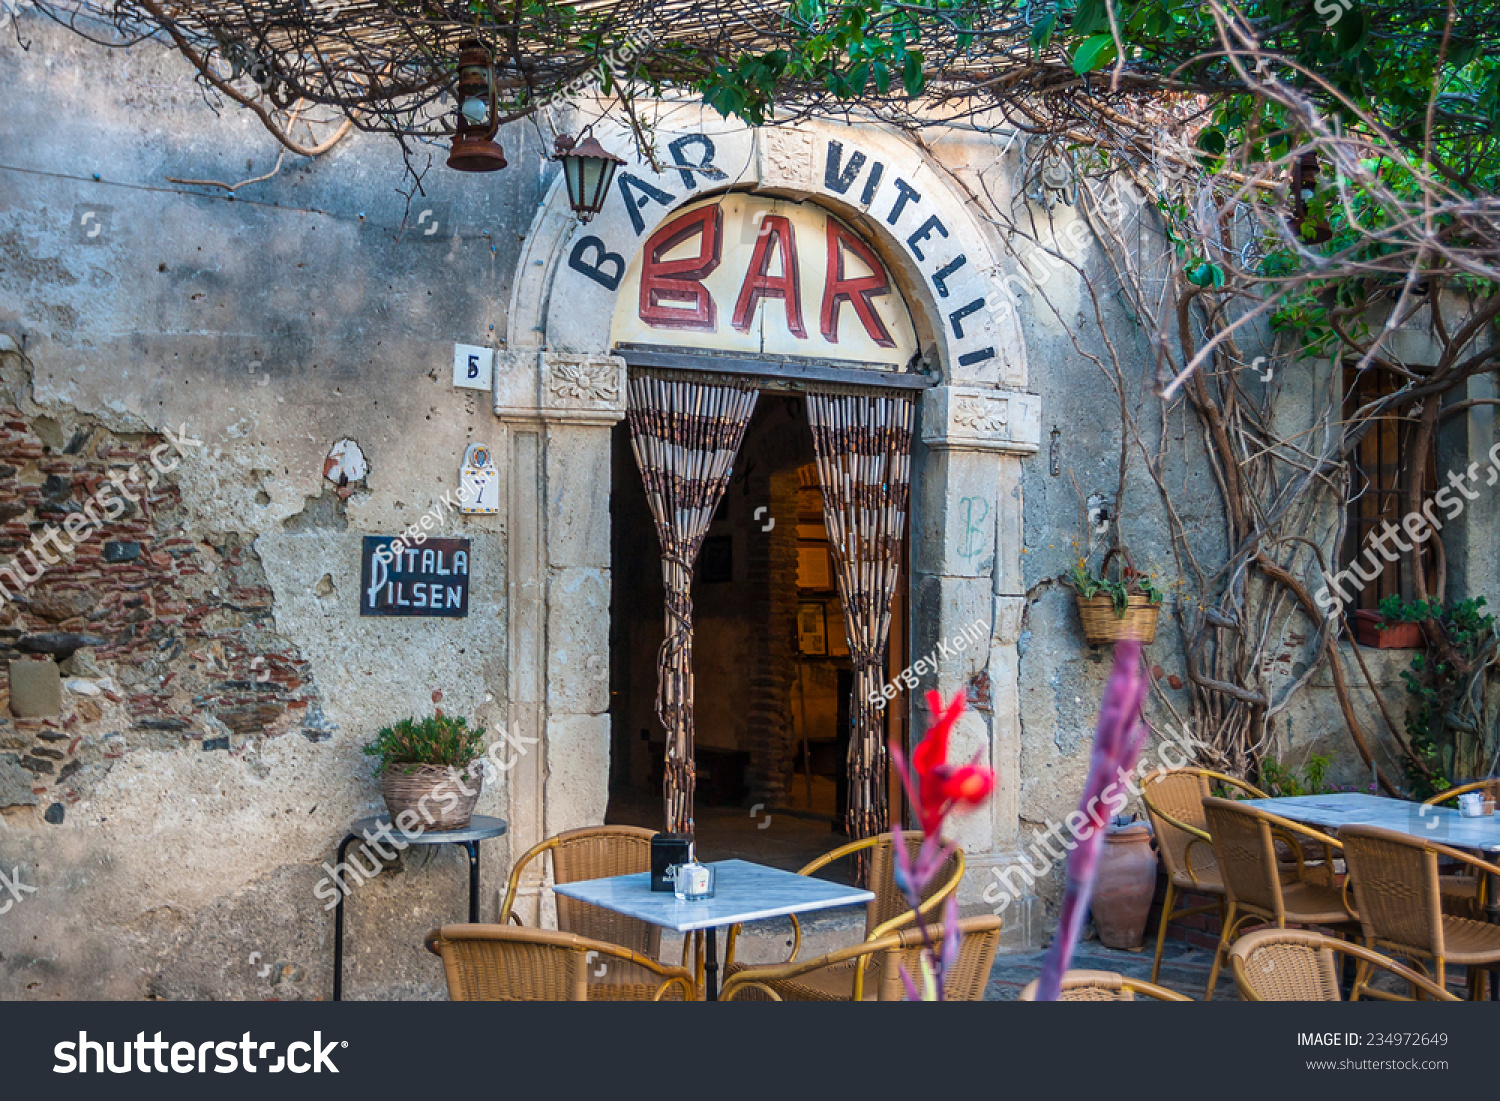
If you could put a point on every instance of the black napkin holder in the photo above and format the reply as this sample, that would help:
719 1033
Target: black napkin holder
667 851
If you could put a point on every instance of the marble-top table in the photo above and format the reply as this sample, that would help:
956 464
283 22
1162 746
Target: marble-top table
1441 824
742 892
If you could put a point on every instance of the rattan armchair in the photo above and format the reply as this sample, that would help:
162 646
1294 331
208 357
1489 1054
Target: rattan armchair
504 963
594 852
1298 965
1463 893
872 971
888 910
1174 804
1244 840
1397 890
1105 986
1491 789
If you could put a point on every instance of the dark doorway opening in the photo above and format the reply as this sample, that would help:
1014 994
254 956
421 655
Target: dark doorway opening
770 658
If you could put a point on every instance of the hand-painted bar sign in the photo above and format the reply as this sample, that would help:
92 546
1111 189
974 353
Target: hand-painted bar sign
747 273
399 578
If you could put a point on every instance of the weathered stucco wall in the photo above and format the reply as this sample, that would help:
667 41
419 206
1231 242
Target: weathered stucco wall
271 326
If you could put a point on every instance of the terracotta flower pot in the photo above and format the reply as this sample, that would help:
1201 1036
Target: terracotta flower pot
1393 636
1125 884
442 798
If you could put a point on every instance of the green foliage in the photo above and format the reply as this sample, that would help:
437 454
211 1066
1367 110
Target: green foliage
1436 687
436 740
1279 781
1128 582
1395 610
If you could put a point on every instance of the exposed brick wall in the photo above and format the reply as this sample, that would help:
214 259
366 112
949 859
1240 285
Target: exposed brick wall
174 628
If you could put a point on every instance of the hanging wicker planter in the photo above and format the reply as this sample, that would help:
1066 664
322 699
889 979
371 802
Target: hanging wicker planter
1101 624
1104 618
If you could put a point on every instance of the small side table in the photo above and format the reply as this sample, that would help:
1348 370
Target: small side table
480 828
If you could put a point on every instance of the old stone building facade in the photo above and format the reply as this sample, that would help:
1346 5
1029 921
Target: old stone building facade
175 804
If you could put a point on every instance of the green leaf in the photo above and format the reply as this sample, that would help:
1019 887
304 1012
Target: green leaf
1206 275
1349 34
1041 34
1095 53
911 73
1091 16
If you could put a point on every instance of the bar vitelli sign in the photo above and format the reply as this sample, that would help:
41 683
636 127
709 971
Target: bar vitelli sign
747 273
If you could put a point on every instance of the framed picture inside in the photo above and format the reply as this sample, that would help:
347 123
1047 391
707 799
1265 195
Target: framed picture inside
814 566
812 629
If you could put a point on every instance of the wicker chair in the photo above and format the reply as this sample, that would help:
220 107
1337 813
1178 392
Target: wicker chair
1397 890
1174 803
592 853
1297 965
1105 986
503 963
888 910
1244 840
872 971
1463 893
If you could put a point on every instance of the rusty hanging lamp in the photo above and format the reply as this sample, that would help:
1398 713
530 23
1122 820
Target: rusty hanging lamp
588 169
1305 170
474 145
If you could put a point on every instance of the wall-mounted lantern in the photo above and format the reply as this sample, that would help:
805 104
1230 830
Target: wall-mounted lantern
474 147
588 169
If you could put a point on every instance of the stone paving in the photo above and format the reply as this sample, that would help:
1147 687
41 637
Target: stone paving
1184 968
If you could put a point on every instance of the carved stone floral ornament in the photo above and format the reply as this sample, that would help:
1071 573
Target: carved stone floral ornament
583 381
981 414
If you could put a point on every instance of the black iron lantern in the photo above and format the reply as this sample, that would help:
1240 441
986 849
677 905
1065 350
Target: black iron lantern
588 169
474 147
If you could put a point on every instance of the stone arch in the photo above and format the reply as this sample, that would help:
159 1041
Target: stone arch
872 177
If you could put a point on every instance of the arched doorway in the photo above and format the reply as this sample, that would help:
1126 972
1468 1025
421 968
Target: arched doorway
772 380
562 379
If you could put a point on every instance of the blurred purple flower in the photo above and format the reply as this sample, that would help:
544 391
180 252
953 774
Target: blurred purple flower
1117 746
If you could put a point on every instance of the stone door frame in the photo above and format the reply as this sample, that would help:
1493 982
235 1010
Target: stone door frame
559 391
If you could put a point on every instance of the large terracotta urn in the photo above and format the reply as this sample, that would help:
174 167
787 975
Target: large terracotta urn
1125 883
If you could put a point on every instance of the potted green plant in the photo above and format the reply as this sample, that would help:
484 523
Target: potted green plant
1118 606
430 767
1398 624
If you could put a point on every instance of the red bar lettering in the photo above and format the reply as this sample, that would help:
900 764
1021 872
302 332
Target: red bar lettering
857 292
681 280
776 237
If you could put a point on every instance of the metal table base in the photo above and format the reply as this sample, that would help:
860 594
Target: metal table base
480 828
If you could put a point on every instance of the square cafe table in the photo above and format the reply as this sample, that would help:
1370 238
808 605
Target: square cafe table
1441 824
742 892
